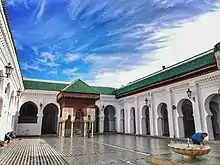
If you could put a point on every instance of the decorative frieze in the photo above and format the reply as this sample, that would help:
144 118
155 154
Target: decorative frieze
38 94
208 79
180 86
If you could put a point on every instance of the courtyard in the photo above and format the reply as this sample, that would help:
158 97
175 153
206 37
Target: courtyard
101 149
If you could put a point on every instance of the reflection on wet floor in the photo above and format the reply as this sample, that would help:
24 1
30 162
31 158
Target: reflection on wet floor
101 149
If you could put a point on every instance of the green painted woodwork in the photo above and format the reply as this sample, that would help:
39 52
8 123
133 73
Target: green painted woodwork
170 73
78 86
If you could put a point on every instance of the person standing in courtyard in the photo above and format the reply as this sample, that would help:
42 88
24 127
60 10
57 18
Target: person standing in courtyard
198 138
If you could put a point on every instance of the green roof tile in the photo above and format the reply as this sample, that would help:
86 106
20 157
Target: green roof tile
55 86
42 85
79 86
104 90
170 73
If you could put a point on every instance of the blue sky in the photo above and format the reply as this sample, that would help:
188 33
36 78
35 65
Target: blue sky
109 42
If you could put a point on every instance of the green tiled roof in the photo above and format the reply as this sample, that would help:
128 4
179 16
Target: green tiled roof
42 85
104 90
52 86
170 73
79 86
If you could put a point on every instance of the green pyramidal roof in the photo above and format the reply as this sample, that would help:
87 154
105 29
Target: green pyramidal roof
78 86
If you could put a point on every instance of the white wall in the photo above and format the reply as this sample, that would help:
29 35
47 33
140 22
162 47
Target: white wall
38 97
202 87
8 55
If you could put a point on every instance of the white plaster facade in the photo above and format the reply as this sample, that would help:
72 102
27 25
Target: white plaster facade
8 86
128 114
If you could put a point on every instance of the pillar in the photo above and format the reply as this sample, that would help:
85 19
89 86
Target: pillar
152 115
196 110
92 125
71 131
85 127
170 114
126 117
63 129
101 120
137 124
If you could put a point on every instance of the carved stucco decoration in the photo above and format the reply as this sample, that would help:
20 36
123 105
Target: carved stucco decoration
180 86
208 79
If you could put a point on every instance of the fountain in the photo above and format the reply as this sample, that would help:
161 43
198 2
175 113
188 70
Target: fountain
190 151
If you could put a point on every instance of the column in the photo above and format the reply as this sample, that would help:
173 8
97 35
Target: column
63 129
199 103
126 117
59 129
71 131
170 114
151 116
101 121
39 119
85 129
137 124
196 110
92 128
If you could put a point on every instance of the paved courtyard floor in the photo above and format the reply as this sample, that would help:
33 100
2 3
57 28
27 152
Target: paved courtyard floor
99 150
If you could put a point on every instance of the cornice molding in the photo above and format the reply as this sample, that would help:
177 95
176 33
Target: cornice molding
208 79
180 86
38 94
159 92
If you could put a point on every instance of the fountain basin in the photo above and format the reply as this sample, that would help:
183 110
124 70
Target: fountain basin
190 152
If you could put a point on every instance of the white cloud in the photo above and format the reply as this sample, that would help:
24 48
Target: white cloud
70 72
48 59
71 57
53 72
30 67
188 39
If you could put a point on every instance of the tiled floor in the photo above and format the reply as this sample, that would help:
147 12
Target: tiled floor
100 150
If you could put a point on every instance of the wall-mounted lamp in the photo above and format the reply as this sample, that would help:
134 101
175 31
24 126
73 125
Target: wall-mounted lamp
8 70
18 92
41 105
189 94
173 107
146 102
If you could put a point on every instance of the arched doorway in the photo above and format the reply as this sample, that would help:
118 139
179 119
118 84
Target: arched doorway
162 121
212 105
122 123
132 121
28 113
96 126
186 119
109 119
145 120
50 118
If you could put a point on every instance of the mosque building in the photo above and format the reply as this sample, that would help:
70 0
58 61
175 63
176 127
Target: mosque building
176 101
